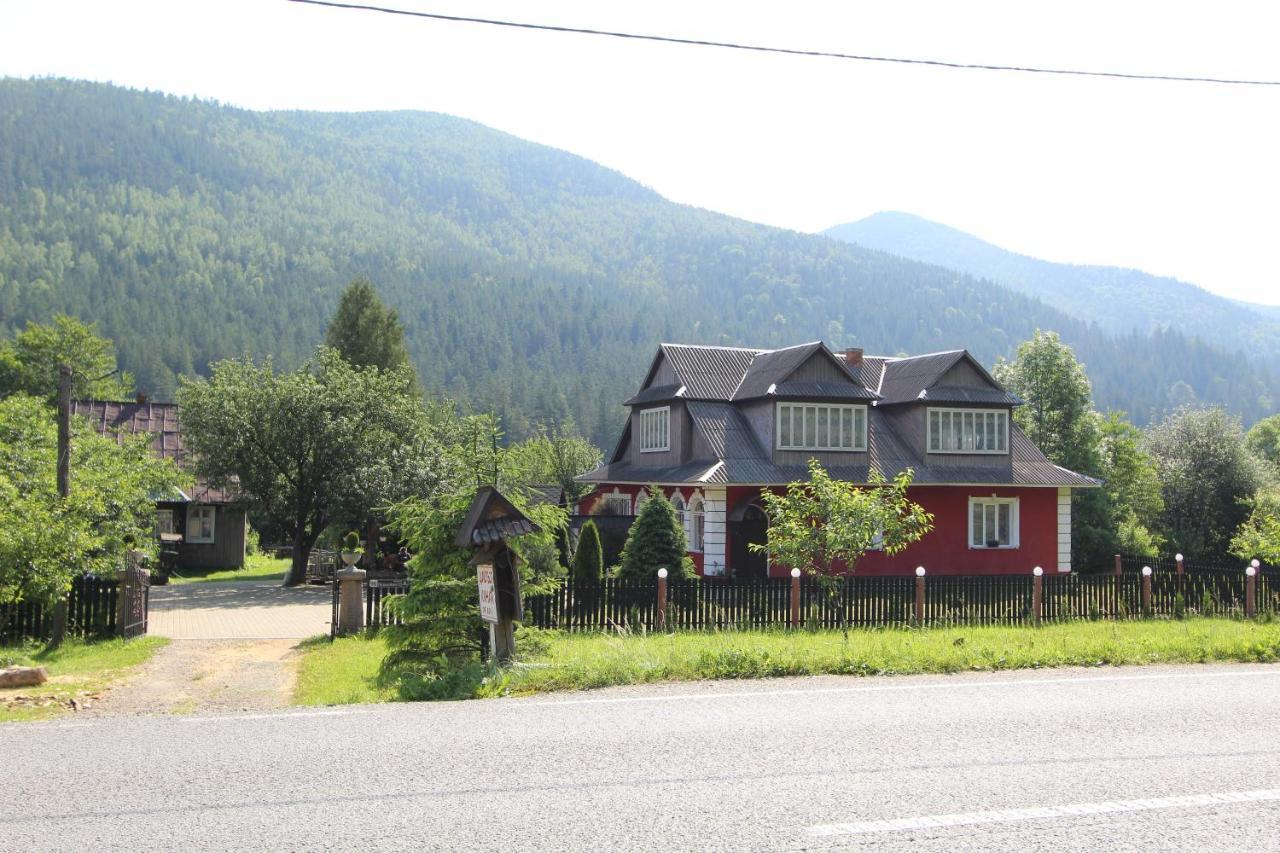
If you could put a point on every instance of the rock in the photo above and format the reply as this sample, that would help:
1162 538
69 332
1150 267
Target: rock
23 676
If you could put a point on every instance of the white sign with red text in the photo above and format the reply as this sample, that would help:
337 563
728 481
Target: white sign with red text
488 593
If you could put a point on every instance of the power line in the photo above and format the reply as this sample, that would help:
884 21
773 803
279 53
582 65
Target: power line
936 63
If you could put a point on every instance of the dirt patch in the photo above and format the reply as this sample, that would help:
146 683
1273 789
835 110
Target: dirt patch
207 676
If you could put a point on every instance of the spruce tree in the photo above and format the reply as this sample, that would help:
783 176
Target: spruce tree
588 561
365 332
655 541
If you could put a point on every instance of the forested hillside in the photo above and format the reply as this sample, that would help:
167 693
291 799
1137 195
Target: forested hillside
1119 300
529 280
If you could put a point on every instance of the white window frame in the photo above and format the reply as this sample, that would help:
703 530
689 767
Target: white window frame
199 512
655 430
821 426
678 504
697 525
947 418
1015 522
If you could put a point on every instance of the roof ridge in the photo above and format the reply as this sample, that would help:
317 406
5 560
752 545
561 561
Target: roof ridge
714 346
888 358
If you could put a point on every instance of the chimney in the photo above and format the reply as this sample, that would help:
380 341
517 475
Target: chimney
853 356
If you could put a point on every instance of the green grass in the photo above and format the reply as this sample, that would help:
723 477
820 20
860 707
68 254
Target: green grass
78 670
343 672
257 567
346 671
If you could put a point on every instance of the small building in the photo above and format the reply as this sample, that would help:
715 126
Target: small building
207 524
715 426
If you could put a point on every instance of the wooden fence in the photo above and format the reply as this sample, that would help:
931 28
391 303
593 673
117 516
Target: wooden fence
864 601
91 613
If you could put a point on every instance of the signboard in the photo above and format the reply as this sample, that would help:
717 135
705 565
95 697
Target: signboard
488 592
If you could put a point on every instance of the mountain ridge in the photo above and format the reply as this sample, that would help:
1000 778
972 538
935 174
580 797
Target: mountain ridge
1117 298
530 281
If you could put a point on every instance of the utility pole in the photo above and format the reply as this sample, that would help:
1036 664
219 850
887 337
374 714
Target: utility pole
59 627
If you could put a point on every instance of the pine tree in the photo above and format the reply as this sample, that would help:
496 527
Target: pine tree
655 541
365 331
588 561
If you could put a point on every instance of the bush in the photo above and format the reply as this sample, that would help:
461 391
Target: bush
588 560
655 541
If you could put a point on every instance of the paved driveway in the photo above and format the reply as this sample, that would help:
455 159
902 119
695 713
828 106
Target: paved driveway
248 610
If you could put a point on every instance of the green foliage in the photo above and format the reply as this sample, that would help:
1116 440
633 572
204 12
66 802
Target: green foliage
822 522
553 457
311 446
1259 536
366 332
351 541
531 283
1058 416
1207 476
47 540
655 541
1263 440
29 363
588 560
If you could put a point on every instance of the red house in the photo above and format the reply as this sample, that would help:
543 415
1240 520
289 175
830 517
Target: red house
714 426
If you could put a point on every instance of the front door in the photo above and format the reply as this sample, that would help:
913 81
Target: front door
753 528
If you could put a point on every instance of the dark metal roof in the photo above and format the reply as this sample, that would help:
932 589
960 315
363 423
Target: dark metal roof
771 367
904 378
707 372
807 390
959 394
656 394
116 420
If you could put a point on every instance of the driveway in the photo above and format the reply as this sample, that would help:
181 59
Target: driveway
1168 758
243 610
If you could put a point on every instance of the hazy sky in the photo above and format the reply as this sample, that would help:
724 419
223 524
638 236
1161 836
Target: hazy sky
1174 178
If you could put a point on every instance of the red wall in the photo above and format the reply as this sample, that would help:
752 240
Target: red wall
945 550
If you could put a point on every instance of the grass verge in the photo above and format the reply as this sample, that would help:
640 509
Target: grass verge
78 670
346 671
342 672
257 567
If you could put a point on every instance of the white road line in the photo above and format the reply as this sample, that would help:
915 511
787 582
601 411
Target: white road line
912 824
882 688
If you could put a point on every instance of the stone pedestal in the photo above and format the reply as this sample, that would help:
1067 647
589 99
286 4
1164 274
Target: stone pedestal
350 600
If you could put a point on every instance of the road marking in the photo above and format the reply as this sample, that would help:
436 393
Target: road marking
882 688
911 824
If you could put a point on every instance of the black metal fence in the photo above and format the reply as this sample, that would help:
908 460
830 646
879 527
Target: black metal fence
91 613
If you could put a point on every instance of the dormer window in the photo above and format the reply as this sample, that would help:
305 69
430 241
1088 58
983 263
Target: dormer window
805 426
968 431
655 430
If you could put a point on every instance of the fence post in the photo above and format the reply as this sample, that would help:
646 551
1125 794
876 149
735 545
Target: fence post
795 598
1119 567
660 624
920 595
1251 590
1037 593
350 600
1177 559
1146 590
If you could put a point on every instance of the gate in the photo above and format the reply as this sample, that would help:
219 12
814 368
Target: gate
134 597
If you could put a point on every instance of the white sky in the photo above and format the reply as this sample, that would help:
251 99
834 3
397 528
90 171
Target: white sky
1174 178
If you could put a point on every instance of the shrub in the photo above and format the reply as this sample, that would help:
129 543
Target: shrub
588 561
655 541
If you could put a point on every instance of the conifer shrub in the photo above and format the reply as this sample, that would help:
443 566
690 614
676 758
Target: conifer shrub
655 541
588 561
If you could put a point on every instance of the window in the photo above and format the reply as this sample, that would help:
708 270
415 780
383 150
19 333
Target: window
642 497
802 426
968 431
655 430
164 521
616 504
677 503
200 524
993 522
697 525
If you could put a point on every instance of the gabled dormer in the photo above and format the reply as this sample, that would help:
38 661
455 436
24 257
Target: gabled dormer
952 409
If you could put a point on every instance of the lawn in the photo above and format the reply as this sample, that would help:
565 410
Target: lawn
78 670
346 671
257 567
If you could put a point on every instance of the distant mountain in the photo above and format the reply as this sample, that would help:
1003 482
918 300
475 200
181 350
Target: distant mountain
530 281
1116 299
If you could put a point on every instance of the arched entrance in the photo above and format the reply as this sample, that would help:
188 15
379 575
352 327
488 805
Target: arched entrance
751 527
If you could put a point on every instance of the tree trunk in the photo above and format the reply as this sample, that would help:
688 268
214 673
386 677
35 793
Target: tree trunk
302 543
373 558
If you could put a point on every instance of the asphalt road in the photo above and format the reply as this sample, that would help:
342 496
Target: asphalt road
1155 758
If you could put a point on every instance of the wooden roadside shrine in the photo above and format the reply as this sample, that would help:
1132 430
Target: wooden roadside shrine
491 521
